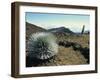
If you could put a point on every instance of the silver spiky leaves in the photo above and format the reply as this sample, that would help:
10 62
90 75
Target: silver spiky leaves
42 45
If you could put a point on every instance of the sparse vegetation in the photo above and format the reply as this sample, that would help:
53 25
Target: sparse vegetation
73 49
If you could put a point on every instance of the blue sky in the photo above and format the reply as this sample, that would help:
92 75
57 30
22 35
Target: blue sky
74 22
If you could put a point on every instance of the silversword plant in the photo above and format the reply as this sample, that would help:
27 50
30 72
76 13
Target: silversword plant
42 45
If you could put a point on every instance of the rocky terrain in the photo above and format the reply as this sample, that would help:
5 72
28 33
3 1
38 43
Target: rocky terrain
73 49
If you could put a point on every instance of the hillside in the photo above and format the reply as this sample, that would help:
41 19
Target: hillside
31 28
73 49
61 30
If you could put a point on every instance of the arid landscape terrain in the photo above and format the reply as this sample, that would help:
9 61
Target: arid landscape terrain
73 48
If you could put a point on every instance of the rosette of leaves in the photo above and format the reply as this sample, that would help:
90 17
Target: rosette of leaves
42 45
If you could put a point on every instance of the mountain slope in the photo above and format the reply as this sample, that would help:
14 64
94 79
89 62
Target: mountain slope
61 30
31 28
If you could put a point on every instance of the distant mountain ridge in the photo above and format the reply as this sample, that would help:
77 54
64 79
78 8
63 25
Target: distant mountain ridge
61 30
32 28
